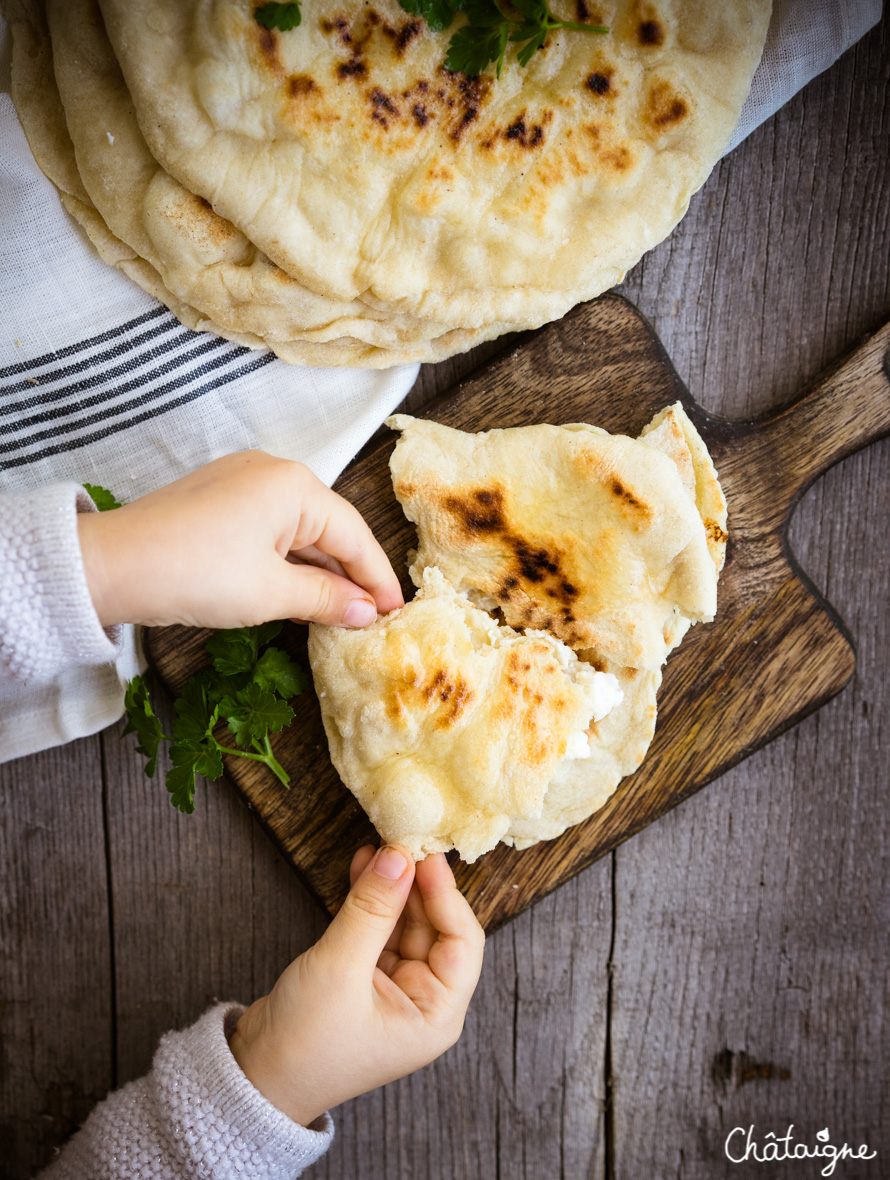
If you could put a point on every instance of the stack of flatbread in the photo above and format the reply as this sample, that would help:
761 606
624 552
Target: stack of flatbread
337 195
558 566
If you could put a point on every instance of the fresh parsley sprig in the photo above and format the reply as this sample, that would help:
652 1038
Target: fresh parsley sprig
491 26
247 687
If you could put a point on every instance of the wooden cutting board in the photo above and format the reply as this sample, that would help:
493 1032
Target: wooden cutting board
776 651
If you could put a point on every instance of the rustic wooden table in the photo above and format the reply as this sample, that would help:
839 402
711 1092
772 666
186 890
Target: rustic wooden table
727 967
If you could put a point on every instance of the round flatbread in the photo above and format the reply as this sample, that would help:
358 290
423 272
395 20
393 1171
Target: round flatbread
347 154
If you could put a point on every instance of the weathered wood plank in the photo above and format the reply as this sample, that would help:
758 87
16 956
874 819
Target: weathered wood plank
203 908
56 1011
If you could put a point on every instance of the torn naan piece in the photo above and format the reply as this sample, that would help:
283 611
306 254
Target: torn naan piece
448 727
618 744
591 536
672 433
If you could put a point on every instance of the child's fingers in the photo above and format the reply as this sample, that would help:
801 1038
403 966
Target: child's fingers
418 935
338 529
362 927
456 957
307 593
360 861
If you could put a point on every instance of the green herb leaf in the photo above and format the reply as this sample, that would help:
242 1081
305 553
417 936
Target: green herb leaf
101 497
438 14
248 686
253 712
491 26
189 760
283 17
142 721
233 652
277 672
196 714
237 650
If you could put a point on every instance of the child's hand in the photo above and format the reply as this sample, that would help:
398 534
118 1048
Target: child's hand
218 549
382 993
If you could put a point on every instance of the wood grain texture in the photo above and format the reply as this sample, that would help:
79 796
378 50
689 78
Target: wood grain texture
773 654
750 924
56 1016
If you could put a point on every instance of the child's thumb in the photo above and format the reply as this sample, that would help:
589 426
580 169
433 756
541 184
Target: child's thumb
313 595
359 932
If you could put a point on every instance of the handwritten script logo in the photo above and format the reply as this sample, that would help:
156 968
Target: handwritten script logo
740 1147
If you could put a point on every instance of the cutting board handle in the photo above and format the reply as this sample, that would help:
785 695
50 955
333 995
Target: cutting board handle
847 409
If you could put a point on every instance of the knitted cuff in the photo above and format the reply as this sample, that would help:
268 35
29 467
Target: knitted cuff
47 618
219 1117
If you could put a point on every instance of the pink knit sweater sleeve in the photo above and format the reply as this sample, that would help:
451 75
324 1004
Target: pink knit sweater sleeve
194 1115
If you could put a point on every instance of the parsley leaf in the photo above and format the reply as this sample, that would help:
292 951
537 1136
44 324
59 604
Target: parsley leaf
283 17
491 26
253 712
277 672
101 497
189 760
438 14
142 721
248 687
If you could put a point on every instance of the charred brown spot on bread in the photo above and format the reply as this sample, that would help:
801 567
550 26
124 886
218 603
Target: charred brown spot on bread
406 35
469 116
196 216
715 532
299 85
599 82
664 107
651 33
355 68
535 573
468 99
340 27
451 691
419 114
619 158
268 43
480 511
627 496
382 107
525 134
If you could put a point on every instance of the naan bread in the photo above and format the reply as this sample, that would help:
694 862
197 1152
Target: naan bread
591 536
448 727
348 156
